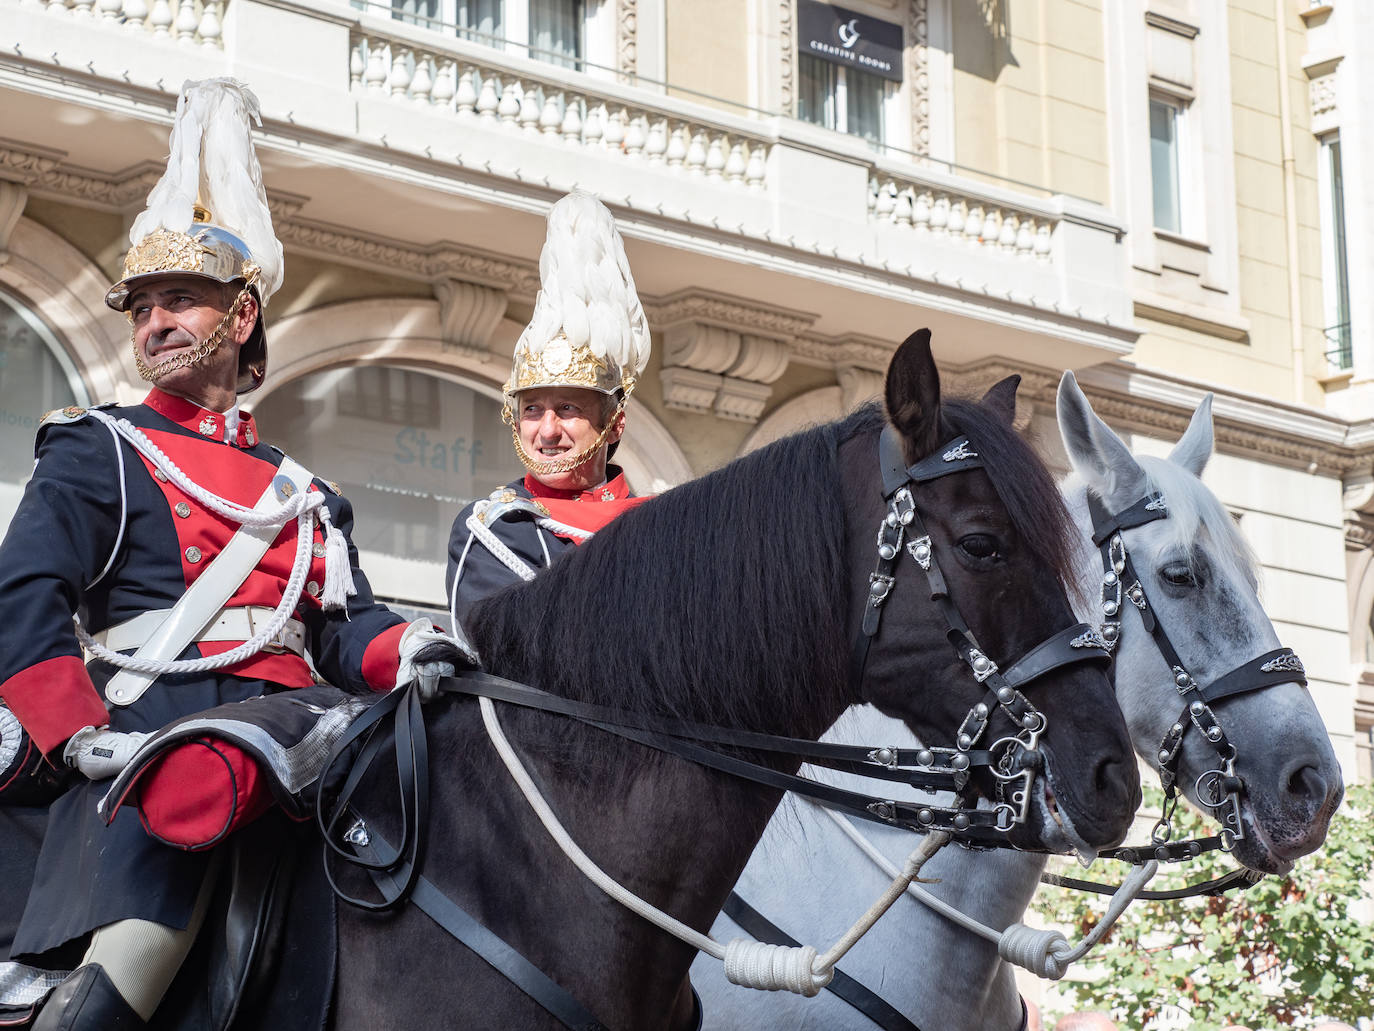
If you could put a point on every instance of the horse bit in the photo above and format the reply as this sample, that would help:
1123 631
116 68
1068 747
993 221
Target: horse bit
1219 789
1011 759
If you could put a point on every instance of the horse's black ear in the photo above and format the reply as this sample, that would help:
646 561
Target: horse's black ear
1001 398
913 395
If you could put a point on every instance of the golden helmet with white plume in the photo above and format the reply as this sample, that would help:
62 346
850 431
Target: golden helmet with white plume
208 217
588 329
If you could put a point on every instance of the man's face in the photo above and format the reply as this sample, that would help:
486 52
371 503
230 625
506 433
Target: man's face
560 421
173 314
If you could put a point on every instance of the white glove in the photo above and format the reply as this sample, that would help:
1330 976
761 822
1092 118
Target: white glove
101 753
420 635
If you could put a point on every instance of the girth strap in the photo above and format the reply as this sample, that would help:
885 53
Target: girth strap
859 996
486 944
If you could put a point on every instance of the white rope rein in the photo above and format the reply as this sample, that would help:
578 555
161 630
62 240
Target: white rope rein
749 963
1045 953
301 506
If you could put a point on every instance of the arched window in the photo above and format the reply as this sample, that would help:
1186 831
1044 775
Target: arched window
408 450
36 376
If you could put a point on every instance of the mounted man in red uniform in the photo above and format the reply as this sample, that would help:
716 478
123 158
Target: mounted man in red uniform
196 564
574 369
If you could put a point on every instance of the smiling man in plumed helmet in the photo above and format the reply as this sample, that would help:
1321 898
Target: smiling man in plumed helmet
574 369
201 566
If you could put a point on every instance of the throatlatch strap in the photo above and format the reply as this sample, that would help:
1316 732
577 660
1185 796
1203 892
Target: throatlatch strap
858 995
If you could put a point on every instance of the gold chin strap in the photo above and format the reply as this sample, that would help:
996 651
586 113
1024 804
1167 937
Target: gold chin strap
570 462
203 349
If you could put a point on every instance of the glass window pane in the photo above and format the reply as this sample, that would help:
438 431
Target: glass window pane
1338 334
816 91
416 12
480 20
408 449
864 101
556 31
1164 164
33 381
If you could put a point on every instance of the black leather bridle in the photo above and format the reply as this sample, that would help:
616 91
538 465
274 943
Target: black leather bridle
1013 758
1219 789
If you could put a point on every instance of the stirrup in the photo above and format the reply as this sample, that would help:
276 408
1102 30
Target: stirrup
87 1001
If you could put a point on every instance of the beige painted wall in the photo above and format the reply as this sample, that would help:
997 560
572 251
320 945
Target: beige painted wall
1029 93
708 48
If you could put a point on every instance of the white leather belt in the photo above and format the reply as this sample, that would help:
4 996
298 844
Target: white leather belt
237 624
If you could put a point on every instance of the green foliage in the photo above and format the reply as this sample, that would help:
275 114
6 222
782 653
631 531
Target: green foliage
1289 951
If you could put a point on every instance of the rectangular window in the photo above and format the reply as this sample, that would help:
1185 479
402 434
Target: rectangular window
480 20
1165 116
844 99
1335 268
556 29
385 394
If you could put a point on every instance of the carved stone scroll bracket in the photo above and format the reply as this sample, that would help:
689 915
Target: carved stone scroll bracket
710 368
13 197
468 315
858 386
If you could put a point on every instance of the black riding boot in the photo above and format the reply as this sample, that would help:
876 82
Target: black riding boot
87 1001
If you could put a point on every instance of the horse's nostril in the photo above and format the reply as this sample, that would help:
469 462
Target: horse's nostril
1307 784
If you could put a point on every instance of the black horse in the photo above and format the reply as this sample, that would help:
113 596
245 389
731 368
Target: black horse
733 600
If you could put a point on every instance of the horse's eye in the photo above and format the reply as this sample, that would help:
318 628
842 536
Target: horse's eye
1178 575
979 545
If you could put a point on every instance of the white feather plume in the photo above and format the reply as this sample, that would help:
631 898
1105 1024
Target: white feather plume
212 158
586 289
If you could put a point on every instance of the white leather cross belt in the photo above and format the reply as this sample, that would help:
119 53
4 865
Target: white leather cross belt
236 624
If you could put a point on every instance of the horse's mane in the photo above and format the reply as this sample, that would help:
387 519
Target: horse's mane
1196 515
716 601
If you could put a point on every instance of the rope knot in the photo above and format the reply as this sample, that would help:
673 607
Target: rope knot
773 968
1044 953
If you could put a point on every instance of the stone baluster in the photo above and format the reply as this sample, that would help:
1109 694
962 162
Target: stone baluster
1006 239
696 153
920 212
715 158
211 29
1025 237
528 102
939 215
135 14
487 99
903 212
757 170
57 6
401 59
161 19
357 61
613 135
958 215
82 8
884 201
677 147
465 98
571 126
552 116
594 127
109 9
992 227
1042 241
377 64
445 85
656 142
634 137
422 82
973 225
187 21
735 164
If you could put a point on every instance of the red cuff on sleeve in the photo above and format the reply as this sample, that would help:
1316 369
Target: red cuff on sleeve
193 795
382 659
53 700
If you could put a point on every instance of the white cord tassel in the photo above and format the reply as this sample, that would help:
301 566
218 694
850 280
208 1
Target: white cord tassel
338 570
774 968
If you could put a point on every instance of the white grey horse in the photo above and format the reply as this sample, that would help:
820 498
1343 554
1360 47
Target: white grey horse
1199 576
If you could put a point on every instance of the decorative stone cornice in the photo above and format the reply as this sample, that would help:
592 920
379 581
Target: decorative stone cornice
26 164
468 315
728 312
860 351
627 36
918 74
13 197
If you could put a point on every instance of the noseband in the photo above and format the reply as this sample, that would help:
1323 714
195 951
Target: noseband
1219 789
1011 759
